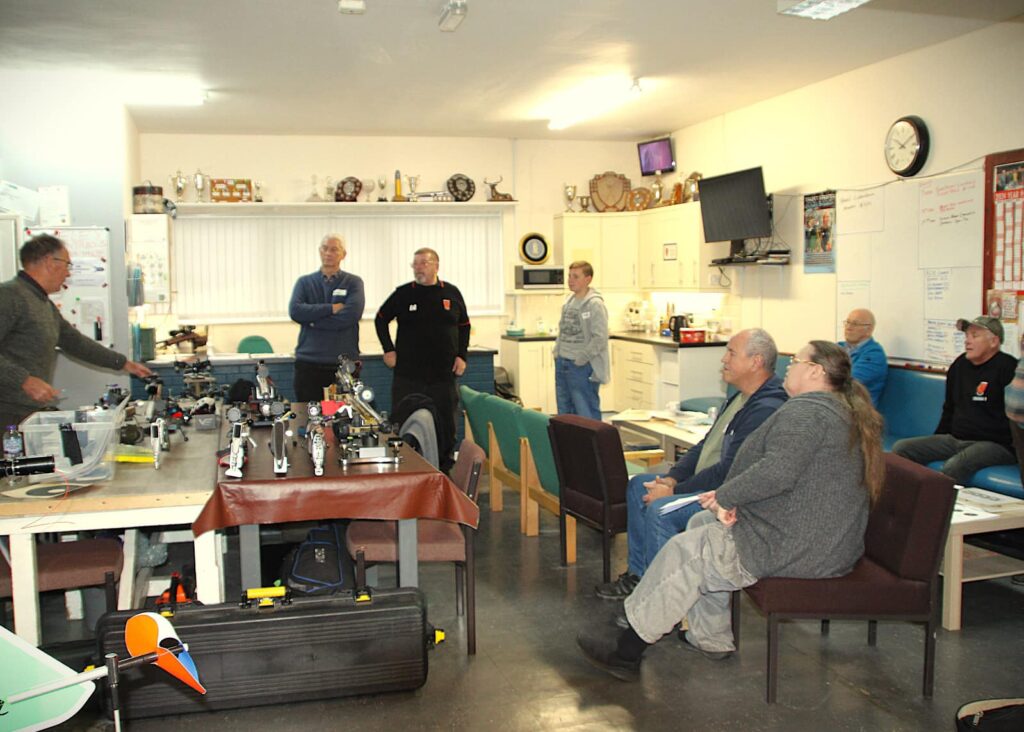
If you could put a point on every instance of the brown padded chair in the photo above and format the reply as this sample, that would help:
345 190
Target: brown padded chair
592 477
896 579
69 565
439 541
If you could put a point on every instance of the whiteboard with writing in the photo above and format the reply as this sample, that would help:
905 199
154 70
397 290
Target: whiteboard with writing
911 251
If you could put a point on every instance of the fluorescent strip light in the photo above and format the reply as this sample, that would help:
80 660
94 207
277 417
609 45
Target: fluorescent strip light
452 15
818 9
588 99
152 90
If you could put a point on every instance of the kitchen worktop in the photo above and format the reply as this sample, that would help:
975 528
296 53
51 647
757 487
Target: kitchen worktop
658 340
634 336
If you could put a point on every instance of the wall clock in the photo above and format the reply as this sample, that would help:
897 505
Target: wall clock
534 249
906 145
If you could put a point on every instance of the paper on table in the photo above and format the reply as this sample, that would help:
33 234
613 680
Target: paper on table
677 504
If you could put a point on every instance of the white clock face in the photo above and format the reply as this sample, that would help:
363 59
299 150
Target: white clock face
902 146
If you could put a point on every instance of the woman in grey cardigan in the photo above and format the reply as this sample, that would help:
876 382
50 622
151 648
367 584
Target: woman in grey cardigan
795 504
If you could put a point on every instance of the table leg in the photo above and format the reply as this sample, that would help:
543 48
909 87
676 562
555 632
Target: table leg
249 549
408 561
126 588
25 588
209 568
952 581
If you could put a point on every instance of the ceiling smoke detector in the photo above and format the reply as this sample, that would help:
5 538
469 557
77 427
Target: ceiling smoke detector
452 14
352 7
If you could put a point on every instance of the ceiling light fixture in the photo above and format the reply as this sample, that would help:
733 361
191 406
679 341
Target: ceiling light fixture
817 9
588 99
352 7
156 90
452 15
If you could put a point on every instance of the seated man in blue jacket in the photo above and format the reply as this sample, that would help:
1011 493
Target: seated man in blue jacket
870 366
748 365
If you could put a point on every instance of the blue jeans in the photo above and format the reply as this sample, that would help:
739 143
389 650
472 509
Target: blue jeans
574 391
647 530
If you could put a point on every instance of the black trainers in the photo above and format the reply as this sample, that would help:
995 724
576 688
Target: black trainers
710 655
619 589
601 651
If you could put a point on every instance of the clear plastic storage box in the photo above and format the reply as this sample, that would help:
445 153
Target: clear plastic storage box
98 433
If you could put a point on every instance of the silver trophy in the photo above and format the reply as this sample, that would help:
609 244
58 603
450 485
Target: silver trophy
329 189
180 183
382 186
570 194
314 196
368 186
414 180
199 180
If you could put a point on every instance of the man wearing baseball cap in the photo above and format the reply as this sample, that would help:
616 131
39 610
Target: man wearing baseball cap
973 431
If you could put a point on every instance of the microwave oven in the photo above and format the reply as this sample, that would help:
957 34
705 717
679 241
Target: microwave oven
539 278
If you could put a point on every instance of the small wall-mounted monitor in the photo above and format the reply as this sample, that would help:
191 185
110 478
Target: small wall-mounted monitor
735 207
656 156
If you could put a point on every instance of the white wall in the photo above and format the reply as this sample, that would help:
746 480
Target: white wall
830 135
534 171
59 129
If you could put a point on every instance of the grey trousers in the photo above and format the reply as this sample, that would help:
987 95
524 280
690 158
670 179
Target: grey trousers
692 576
963 458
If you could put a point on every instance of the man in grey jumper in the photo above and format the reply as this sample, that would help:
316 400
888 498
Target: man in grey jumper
581 351
794 504
31 329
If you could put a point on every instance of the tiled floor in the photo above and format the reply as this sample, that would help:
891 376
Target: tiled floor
528 675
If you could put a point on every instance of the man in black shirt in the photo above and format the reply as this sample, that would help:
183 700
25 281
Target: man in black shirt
973 432
432 343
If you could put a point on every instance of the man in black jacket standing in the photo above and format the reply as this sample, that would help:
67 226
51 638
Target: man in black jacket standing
432 343
973 432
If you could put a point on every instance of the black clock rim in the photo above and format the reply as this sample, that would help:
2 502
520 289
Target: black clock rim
922 151
522 248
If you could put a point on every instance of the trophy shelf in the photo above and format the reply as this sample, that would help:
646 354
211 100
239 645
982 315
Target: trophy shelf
419 208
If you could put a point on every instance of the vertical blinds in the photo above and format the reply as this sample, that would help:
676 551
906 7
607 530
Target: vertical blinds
231 268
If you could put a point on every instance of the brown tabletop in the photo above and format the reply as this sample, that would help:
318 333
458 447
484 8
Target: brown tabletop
412 489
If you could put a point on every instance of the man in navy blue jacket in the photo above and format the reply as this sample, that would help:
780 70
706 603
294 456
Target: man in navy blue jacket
748 365
870 366
327 304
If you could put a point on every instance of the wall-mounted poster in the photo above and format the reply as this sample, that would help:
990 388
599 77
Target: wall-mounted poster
819 232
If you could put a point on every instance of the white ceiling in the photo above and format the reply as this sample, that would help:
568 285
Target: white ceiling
299 66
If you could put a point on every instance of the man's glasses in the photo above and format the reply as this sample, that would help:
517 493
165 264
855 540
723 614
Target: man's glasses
854 322
67 262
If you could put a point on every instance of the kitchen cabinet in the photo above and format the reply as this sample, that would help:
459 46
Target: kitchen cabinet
635 368
531 366
672 253
608 241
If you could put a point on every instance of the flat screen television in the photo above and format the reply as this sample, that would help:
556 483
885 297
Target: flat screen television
656 156
734 207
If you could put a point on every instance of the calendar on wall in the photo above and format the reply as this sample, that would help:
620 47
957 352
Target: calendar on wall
1004 243
85 300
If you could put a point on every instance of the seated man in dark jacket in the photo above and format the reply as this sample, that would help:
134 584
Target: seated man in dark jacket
973 432
749 365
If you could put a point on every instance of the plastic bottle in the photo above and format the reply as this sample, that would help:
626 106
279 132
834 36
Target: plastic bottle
14 443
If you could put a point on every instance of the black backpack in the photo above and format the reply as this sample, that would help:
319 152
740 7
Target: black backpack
320 565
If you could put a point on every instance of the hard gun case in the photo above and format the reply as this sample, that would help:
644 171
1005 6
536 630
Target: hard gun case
313 648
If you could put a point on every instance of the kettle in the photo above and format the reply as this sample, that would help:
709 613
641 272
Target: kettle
675 322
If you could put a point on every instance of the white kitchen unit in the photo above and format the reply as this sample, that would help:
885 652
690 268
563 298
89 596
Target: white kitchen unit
531 366
636 374
608 241
700 370
672 253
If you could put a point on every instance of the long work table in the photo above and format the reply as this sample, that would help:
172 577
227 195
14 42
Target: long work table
190 488
138 496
